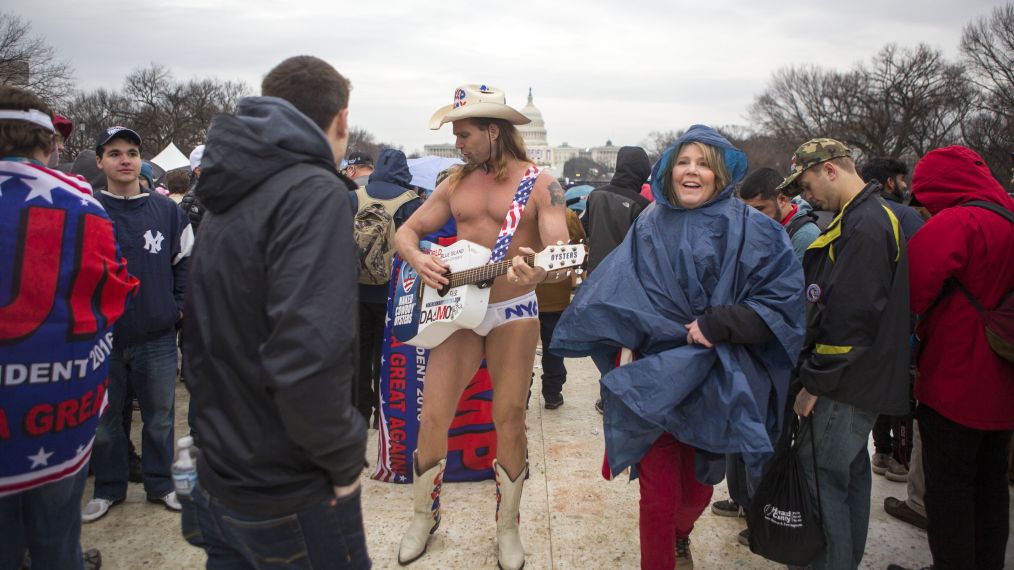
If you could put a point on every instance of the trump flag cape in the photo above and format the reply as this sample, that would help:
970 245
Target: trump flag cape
63 284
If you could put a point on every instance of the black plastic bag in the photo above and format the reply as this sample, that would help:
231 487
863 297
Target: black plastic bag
784 518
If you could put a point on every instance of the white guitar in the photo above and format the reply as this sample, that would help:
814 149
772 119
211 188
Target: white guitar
425 317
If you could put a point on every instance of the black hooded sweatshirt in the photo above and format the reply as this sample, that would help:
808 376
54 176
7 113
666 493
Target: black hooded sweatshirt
612 209
271 340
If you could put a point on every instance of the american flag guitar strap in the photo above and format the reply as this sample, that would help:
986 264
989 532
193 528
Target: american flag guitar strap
513 218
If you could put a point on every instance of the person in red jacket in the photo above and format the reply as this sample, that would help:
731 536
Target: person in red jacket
965 390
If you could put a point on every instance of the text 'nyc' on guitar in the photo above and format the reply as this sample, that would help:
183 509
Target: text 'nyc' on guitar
425 317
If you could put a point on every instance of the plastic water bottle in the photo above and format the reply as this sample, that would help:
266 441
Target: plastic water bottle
185 466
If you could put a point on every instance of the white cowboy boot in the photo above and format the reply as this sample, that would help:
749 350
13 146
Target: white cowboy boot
426 507
511 554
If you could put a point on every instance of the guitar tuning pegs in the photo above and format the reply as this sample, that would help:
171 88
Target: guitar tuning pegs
579 271
550 265
559 243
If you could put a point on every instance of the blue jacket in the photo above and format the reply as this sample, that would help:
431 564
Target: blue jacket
674 264
156 238
390 179
805 235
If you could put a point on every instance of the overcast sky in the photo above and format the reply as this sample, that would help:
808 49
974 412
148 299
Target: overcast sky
599 69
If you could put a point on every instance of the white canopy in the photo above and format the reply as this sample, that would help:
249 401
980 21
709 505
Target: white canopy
171 158
425 169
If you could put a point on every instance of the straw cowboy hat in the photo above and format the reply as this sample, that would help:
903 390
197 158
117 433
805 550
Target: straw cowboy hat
477 101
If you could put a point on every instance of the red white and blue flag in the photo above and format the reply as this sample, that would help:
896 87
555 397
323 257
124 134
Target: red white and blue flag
63 283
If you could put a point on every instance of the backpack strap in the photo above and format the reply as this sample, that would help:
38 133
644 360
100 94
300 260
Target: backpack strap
391 205
995 208
798 222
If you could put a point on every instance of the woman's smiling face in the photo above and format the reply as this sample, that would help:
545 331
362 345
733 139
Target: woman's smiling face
692 177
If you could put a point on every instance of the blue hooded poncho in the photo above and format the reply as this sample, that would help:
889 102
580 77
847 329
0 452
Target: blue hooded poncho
674 264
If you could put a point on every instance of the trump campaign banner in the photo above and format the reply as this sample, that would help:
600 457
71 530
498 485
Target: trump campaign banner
471 443
63 283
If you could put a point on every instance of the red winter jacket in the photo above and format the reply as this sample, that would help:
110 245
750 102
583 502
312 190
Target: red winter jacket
959 375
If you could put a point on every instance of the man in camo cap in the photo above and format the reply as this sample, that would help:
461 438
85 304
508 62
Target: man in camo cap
854 363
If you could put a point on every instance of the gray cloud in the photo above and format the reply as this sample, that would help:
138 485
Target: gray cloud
599 69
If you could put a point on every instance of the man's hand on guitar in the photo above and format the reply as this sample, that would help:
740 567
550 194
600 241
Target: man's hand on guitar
520 273
430 269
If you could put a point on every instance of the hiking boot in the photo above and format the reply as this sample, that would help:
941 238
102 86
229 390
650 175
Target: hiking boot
900 510
880 463
97 508
684 559
598 406
896 471
727 508
744 537
553 401
169 500
91 559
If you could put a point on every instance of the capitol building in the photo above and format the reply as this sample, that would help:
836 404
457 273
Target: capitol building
537 144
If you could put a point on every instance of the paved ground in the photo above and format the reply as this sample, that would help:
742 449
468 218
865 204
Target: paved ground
571 517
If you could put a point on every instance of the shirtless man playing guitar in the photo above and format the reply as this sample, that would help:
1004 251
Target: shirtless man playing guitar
478 196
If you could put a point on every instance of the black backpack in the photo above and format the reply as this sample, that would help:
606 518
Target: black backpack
799 221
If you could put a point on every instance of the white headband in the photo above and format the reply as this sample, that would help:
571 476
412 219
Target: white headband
32 116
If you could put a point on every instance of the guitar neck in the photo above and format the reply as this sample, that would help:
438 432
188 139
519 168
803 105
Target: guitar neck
484 272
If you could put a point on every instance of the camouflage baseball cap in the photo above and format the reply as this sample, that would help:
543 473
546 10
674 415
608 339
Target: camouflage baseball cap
811 153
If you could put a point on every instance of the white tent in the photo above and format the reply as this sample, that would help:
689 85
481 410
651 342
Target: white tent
425 169
171 158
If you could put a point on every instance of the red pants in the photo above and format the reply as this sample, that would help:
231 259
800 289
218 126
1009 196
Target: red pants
671 501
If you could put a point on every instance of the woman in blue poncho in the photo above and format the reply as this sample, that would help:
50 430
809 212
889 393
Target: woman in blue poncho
707 294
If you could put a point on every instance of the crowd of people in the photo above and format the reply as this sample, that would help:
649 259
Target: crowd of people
732 314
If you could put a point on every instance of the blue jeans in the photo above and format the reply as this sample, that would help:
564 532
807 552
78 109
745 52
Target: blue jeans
326 535
150 368
842 432
46 520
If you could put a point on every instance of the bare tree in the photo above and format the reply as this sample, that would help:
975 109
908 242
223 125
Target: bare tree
27 61
658 141
362 140
157 106
988 47
902 104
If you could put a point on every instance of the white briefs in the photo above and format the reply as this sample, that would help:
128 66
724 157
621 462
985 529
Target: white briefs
516 309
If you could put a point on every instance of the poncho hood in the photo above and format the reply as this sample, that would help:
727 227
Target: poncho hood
735 163
672 266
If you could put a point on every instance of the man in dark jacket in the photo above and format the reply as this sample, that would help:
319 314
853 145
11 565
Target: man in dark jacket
854 363
271 338
609 213
156 238
389 185
612 209
891 456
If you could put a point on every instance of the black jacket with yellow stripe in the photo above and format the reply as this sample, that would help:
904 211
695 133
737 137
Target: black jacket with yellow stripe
857 348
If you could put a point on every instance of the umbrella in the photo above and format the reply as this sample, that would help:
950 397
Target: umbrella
426 168
170 158
577 197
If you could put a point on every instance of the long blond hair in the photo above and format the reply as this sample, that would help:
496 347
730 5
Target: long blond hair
508 145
